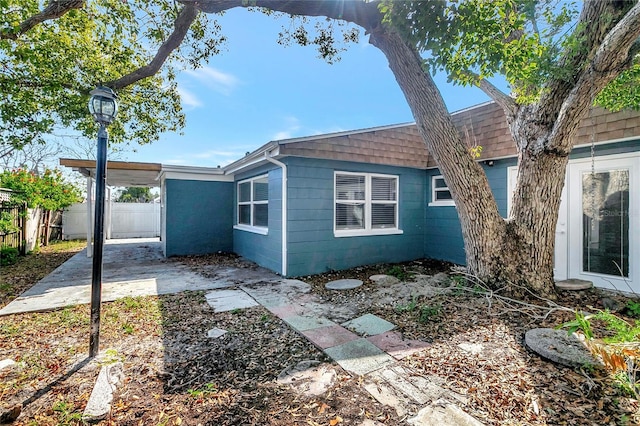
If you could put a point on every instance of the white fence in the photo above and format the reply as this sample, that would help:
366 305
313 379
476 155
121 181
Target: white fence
122 220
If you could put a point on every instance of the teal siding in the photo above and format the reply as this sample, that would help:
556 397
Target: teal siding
609 149
443 235
199 217
265 250
312 247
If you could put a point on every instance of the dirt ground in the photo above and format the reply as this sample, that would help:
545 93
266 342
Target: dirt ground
176 375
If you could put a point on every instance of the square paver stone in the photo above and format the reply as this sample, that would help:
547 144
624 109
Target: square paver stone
392 343
301 323
359 356
326 337
228 300
369 325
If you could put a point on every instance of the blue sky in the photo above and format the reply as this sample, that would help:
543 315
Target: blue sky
256 91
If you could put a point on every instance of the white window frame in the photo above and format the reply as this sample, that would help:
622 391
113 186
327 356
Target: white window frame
435 190
264 230
368 230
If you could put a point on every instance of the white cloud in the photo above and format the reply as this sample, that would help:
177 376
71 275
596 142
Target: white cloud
215 79
292 127
188 99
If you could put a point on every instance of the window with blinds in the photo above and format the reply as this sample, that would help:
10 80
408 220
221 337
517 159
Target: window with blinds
365 202
253 202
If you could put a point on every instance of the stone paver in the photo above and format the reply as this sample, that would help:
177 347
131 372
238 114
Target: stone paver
327 337
392 343
286 311
359 356
302 323
345 284
560 347
369 325
229 300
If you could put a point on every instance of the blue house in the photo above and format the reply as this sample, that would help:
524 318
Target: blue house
329 202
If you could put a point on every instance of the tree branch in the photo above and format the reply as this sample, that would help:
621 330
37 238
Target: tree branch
54 10
614 55
596 20
182 24
507 103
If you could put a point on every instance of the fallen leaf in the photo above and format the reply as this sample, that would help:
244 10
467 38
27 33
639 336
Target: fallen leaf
334 422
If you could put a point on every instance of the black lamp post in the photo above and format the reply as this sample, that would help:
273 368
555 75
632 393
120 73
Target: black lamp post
103 107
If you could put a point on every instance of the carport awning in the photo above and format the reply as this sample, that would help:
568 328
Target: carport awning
119 173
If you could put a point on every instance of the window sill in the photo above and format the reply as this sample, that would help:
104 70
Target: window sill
366 233
442 203
254 229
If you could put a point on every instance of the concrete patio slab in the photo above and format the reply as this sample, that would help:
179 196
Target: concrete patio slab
132 267
369 325
229 300
359 356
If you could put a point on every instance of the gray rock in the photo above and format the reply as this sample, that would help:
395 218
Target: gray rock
214 333
309 378
559 347
6 363
382 279
440 413
99 404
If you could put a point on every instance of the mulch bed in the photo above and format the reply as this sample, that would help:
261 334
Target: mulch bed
176 375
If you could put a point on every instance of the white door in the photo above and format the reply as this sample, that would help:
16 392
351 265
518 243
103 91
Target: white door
604 222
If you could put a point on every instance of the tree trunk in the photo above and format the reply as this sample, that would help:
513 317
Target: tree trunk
517 253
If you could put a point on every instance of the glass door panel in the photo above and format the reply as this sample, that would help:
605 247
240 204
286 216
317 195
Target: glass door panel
605 207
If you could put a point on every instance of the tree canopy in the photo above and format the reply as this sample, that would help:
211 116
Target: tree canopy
135 195
51 58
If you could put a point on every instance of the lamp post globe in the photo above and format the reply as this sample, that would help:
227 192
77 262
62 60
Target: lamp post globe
102 105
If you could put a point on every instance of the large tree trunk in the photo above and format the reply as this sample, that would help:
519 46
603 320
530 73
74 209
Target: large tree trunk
516 253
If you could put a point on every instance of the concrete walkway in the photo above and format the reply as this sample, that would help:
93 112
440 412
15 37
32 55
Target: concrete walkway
133 267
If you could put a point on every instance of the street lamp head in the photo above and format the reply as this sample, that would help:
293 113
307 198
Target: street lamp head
103 105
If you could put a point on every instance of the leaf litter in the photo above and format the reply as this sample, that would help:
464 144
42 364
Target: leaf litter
176 375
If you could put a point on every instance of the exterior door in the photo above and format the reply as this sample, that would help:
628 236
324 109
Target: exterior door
604 234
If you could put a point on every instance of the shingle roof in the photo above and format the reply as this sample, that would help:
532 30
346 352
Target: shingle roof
483 125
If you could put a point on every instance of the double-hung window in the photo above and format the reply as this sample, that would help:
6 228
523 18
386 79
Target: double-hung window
440 193
253 204
365 204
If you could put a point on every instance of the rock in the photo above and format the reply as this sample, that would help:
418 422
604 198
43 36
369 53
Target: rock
6 363
559 347
214 333
611 304
382 279
309 378
99 405
440 413
345 284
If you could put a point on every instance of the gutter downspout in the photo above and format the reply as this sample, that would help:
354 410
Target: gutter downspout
267 156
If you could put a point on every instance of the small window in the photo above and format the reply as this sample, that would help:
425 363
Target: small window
365 204
253 204
440 193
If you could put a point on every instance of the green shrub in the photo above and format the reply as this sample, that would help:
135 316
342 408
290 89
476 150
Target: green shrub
8 255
